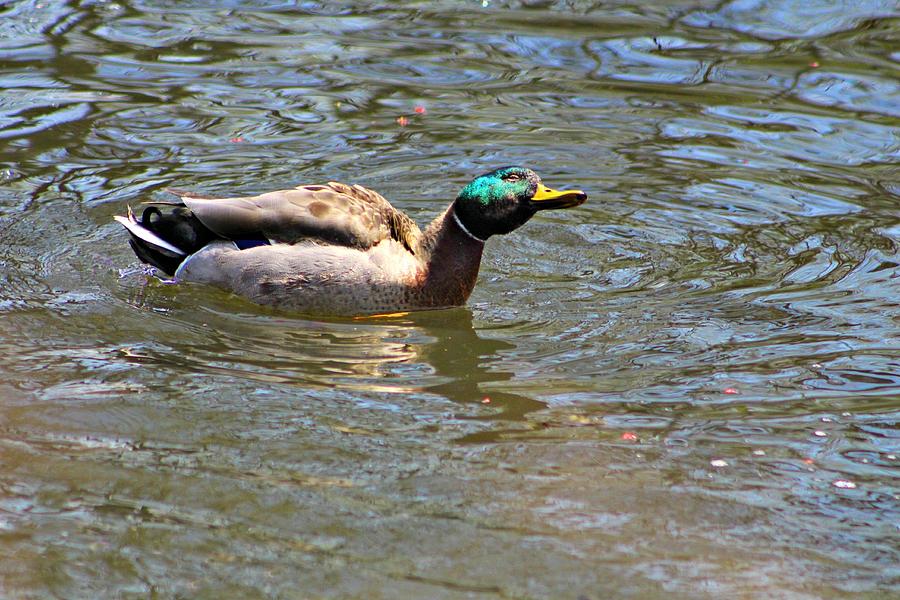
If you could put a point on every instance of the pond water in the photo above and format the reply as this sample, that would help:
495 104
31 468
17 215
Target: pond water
688 387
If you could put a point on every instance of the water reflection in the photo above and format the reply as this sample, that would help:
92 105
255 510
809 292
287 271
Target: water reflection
470 365
436 352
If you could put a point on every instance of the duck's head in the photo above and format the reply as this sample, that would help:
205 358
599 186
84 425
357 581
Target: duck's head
502 200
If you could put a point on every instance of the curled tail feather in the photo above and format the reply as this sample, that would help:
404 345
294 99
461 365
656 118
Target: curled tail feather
165 240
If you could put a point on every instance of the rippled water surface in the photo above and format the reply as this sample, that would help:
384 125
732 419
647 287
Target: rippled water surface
688 387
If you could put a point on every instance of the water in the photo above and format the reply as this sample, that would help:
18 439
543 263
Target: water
689 387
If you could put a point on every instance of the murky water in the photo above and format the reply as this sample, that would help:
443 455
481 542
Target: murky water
687 388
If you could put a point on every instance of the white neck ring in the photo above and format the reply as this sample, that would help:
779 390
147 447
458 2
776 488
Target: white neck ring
463 227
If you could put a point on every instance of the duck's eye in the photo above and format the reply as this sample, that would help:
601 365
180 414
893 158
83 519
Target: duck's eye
513 177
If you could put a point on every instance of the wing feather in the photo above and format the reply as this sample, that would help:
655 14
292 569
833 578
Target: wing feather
334 213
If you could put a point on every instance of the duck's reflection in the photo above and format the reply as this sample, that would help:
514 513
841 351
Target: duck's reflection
433 352
469 362
436 352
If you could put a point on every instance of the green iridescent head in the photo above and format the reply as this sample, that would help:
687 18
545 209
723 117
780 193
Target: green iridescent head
502 200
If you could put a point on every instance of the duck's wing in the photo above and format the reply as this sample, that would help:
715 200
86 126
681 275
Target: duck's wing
333 213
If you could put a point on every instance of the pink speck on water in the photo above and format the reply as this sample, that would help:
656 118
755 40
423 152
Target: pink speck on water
730 391
486 400
236 140
420 110
402 121
629 436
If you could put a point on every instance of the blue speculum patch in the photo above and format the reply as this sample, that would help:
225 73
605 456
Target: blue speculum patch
247 244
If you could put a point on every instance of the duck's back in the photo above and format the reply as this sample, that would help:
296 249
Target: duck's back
332 213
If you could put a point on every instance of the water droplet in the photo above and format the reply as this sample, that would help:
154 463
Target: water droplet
819 433
718 462
759 453
844 484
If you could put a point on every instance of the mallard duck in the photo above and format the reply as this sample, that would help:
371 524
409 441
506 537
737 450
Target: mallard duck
338 249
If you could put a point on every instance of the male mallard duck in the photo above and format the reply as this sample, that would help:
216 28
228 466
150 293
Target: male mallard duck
337 249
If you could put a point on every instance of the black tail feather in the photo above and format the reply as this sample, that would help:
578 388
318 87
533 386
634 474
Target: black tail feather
180 228
167 262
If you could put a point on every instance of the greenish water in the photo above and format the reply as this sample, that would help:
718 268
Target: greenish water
688 387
